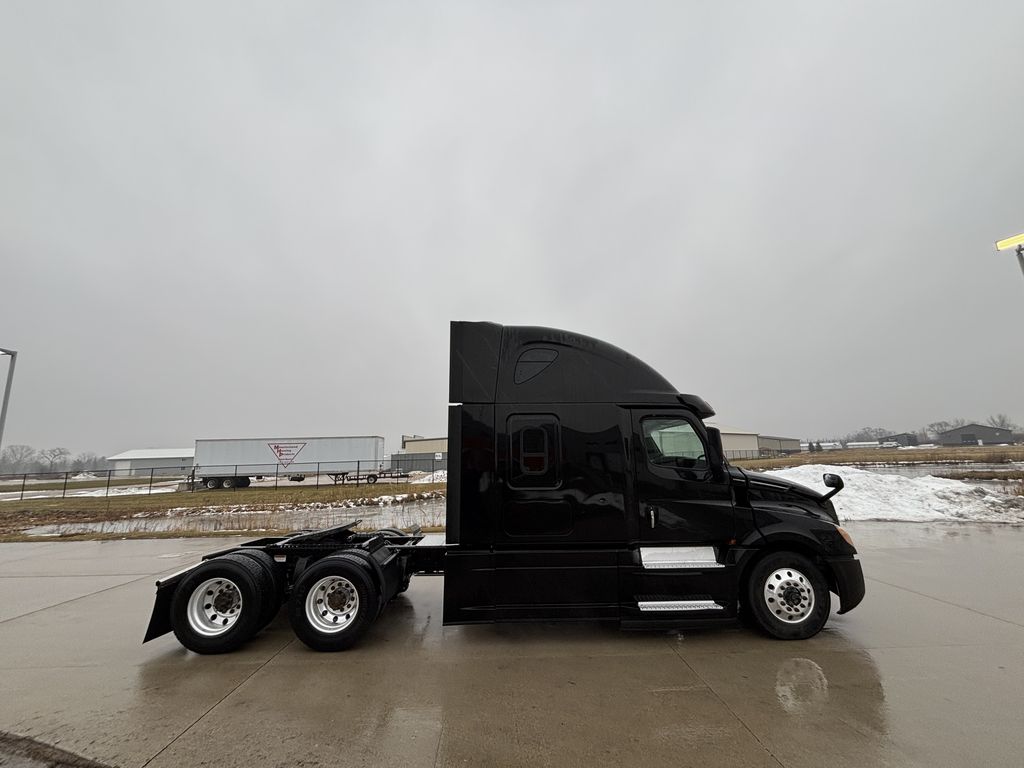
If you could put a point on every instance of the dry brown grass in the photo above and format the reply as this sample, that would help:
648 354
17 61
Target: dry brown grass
15 516
980 454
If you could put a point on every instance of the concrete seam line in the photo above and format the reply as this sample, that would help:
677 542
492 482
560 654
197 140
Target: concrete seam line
55 757
725 704
947 602
219 701
80 597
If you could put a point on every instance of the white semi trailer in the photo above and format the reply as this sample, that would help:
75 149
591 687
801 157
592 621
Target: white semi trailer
231 463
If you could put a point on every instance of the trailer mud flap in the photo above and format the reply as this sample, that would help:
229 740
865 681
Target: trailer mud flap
160 620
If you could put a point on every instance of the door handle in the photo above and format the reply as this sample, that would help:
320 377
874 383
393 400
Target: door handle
652 516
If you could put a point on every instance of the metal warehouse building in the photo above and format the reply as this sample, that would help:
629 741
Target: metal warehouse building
163 461
976 434
423 454
775 446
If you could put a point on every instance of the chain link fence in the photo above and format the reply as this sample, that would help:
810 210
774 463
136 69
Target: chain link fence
149 480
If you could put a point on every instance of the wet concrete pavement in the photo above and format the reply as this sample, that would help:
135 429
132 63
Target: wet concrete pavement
929 670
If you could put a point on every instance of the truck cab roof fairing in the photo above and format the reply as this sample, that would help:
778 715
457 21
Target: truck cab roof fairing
491 363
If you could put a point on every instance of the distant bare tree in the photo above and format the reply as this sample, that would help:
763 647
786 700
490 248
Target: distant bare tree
17 458
54 457
938 427
85 461
866 434
1001 421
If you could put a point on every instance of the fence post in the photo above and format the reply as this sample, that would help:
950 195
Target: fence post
107 491
277 468
24 479
235 486
357 472
64 493
318 474
150 482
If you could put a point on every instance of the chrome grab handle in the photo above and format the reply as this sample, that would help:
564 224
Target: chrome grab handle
652 516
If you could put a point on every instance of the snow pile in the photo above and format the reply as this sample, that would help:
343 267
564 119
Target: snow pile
440 476
874 496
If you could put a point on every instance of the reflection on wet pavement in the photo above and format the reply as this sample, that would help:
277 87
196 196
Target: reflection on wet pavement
925 672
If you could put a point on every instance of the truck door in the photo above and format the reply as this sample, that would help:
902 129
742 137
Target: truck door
682 503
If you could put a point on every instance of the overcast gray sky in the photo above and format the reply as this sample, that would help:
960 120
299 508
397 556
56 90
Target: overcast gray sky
247 219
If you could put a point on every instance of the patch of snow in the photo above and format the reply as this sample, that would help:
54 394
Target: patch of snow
440 476
875 496
129 490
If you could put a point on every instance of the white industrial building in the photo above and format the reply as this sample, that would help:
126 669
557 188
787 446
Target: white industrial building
738 443
163 461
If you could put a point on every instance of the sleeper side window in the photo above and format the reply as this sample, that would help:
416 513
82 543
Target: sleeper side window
534 451
673 442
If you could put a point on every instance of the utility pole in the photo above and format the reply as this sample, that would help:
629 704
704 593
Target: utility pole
1010 242
7 390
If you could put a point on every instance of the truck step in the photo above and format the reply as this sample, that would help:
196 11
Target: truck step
679 605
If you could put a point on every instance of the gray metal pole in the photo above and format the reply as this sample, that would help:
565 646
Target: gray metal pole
7 391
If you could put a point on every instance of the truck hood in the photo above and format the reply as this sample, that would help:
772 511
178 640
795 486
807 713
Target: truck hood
771 488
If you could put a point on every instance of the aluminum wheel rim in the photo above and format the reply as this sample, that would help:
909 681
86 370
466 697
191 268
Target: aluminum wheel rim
214 607
332 604
789 595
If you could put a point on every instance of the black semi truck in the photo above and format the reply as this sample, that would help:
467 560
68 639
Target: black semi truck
586 488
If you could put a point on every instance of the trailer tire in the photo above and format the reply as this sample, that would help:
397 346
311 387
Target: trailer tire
371 479
333 603
216 606
230 482
213 483
787 596
273 584
244 482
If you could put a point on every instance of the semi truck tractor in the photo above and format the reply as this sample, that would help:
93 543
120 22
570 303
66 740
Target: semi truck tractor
582 486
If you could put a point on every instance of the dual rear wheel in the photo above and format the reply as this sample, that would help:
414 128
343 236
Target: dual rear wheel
223 602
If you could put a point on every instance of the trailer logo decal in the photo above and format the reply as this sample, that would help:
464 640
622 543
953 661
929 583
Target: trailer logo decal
286 452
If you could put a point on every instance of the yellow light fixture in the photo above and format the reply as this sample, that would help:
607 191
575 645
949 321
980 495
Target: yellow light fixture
1010 242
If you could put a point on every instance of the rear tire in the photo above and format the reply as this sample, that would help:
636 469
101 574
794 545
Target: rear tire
273 585
216 606
333 603
787 596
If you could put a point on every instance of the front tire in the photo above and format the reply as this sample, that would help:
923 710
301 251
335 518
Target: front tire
333 603
787 596
216 606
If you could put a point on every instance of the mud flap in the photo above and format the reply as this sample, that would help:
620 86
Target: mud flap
160 620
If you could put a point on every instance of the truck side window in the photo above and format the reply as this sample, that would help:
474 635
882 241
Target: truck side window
673 442
534 451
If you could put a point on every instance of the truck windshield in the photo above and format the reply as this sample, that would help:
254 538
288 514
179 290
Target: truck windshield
673 442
